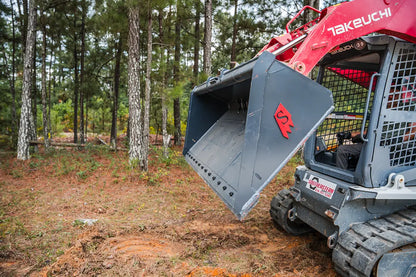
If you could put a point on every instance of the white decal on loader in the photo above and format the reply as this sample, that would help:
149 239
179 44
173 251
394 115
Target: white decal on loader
360 22
320 186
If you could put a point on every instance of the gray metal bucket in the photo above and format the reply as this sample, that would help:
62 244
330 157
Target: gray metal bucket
244 125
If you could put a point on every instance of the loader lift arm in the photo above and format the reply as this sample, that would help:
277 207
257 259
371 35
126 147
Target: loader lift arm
344 22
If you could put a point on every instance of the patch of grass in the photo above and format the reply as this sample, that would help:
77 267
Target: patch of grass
33 164
82 164
64 167
35 234
82 174
12 227
174 157
153 178
88 167
115 173
16 173
100 150
134 163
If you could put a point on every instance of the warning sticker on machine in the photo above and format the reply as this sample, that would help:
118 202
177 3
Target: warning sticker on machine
320 186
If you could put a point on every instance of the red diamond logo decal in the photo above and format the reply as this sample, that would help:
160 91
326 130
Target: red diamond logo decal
284 120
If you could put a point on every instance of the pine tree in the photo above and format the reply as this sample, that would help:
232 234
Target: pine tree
26 115
134 87
146 104
44 93
207 37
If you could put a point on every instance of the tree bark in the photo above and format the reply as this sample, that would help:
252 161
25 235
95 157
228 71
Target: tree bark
163 73
233 45
44 93
61 67
113 135
147 92
23 18
76 78
13 81
33 119
134 87
26 111
50 85
82 75
196 42
176 101
207 37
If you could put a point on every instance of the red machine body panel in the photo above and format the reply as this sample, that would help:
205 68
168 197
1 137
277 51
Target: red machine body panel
344 22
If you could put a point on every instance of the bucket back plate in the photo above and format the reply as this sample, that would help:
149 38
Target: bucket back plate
245 127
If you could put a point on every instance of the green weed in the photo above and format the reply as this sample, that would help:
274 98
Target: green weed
173 157
34 164
153 178
16 173
82 174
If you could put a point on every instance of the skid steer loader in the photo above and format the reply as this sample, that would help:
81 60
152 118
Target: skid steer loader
246 123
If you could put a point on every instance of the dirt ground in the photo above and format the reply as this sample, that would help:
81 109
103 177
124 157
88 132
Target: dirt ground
87 213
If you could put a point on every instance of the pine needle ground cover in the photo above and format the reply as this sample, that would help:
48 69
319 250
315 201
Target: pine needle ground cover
87 212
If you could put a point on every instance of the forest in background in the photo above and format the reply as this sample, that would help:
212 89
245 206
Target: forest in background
83 61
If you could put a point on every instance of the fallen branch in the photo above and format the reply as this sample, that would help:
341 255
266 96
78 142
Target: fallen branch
35 142
68 144
102 141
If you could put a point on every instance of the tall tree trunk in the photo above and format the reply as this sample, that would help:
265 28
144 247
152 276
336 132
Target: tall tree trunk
76 77
51 84
33 93
82 75
86 97
26 111
163 71
196 42
33 119
25 21
233 45
86 115
176 101
134 87
20 17
113 137
61 67
147 91
165 136
44 93
23 18
13 81
207 37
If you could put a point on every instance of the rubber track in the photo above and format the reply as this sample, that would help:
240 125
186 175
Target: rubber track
279 207
359 248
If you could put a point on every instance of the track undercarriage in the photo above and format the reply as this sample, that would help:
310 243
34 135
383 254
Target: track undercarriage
384 246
